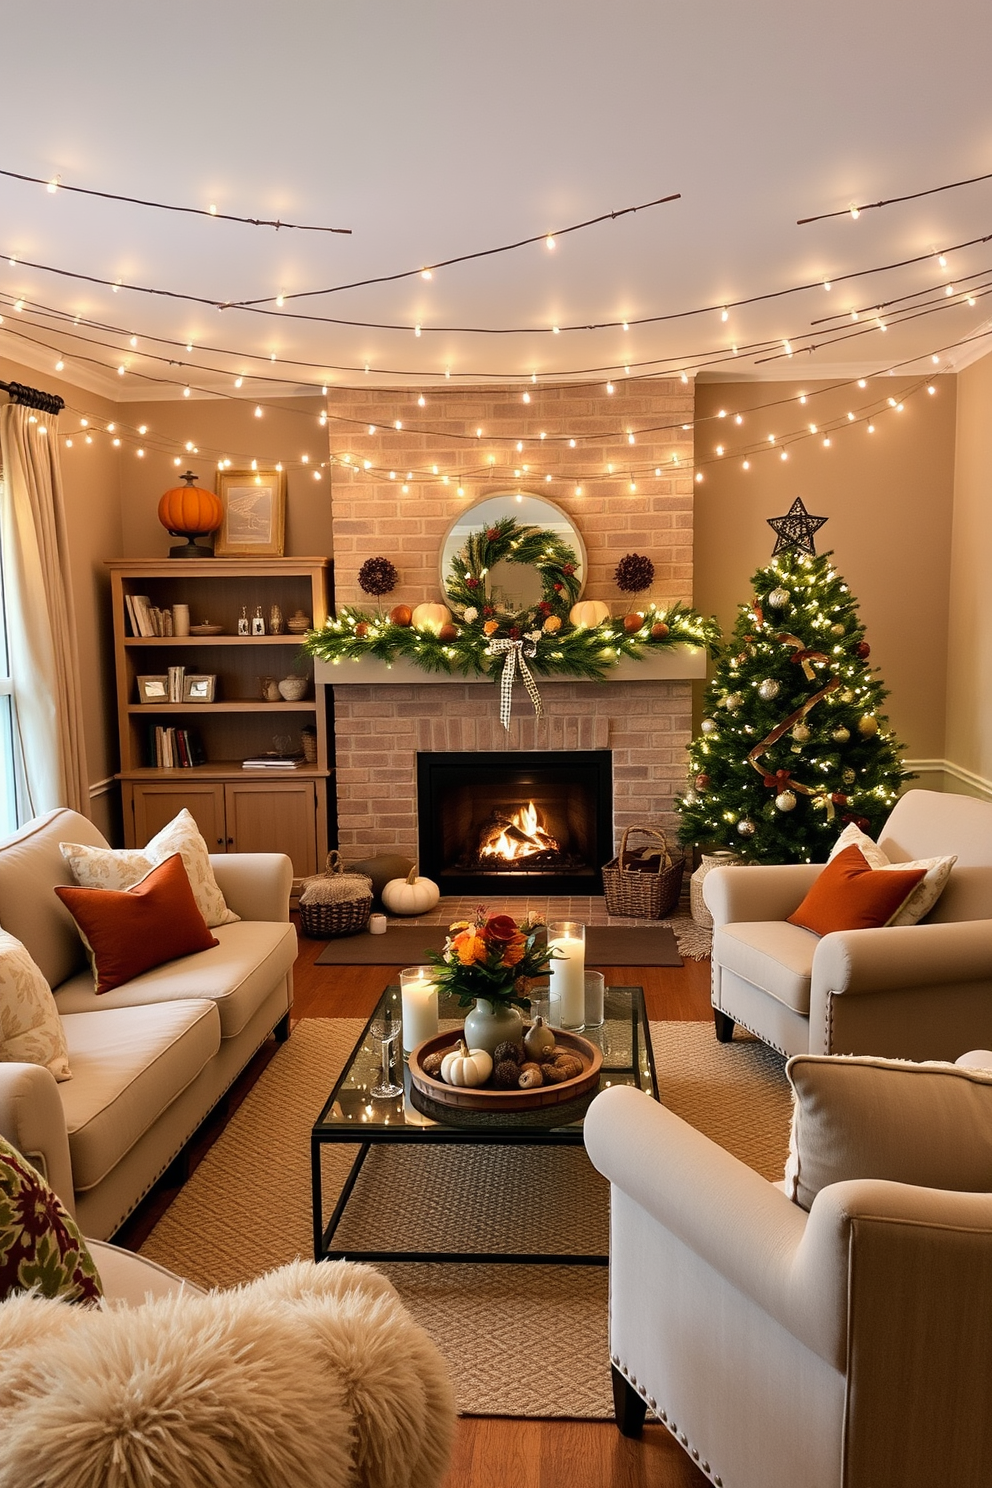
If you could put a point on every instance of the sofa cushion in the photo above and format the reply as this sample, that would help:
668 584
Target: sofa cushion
237 974
129 1064
30 866
133 930
41 1248
850 895
109 868
772 955
923 898
858 1117
30 1027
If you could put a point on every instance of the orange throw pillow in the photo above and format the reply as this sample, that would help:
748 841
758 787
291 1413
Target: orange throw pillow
850 895
130 931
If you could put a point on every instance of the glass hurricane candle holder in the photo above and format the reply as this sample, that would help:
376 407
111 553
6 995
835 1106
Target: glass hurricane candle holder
568 939
418 995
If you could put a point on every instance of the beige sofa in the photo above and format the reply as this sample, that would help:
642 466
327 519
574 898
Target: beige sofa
151 1058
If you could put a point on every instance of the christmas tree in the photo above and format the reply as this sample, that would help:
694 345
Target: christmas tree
792 746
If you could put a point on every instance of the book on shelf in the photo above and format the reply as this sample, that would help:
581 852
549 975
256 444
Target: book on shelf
273 760
176 675
142 607
174 749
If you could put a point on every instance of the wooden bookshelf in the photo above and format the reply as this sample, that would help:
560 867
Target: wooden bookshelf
236 809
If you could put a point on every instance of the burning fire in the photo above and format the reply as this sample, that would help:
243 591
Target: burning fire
520 837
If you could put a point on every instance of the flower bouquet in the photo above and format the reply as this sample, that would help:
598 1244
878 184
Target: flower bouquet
493 957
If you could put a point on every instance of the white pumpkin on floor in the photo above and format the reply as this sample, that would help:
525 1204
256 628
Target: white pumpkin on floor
410 895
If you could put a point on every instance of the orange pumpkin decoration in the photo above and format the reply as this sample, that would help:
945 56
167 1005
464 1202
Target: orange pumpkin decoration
187 511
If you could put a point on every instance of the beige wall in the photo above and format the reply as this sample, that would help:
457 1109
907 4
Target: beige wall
222 429
888 496
91 483
969 667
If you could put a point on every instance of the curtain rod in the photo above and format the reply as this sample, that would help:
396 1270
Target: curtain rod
33 397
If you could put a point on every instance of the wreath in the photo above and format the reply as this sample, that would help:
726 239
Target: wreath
555 561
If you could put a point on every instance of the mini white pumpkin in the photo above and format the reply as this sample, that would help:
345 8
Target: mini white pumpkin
589 612
465 1066
410 895
431 617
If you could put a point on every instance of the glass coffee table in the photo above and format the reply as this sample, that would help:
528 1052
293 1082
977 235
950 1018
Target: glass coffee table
351 1114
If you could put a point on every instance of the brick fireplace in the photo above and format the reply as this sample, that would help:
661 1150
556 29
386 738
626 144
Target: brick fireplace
384 719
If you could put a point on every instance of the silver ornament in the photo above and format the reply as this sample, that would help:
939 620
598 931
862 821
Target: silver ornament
868 725
779 598
708 726
840 735
769 689
848 776
733 701
801 733
846 696
837 630
691 798
745 827
786 801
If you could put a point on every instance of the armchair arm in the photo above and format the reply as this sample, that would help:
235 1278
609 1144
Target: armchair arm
256 885
740 1224
743 895
900 957
32 1119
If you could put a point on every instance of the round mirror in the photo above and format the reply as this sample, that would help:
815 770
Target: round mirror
513 586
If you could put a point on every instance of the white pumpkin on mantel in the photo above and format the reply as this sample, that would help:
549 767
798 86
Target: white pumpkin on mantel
589 612
431 617
410 895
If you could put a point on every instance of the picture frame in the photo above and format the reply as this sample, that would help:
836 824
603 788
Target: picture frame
199 689
153 689
254 521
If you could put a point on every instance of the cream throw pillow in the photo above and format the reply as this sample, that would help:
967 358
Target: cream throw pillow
31 1030
110 868
923 898
858 1117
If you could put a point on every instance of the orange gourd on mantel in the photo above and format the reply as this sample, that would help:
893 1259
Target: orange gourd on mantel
187 511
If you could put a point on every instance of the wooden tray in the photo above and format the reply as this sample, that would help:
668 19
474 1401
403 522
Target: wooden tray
469 1098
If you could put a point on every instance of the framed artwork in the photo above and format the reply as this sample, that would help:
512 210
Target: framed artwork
153 689
254 523
199 689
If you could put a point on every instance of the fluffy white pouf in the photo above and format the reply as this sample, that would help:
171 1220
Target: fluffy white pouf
311 1377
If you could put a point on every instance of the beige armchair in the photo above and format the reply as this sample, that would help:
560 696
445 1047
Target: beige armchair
844 1348
910 992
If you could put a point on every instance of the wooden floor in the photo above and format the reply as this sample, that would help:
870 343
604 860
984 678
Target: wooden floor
490 1452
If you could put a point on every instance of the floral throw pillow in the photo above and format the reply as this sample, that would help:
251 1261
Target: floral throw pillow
41 1248
31 1030
110 868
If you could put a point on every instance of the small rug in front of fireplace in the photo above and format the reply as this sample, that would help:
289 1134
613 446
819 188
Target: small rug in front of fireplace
406 945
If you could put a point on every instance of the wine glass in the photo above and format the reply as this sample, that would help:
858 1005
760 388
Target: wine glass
384 1032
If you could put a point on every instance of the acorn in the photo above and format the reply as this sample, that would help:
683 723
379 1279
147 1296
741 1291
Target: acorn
632 622
659 630
401 614
448 633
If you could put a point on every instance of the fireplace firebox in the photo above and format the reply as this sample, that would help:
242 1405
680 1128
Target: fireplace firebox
521 823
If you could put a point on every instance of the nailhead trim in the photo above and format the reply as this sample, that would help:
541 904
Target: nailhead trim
615 1360
652 1402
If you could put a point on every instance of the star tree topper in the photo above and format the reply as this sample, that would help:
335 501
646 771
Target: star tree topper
797 529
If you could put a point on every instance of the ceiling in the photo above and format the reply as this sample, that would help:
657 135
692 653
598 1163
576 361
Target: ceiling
447 127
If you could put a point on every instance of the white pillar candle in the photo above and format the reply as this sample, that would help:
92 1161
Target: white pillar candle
568 970
419 1000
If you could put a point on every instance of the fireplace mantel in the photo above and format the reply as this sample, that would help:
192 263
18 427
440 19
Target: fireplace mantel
680 664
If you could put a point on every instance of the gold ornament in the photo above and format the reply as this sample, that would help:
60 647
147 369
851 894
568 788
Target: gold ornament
733 701
745 827
837 630
847 696
786 801
769 689
551 624
840 735
708 726
779 598
868 725
848 776
801 733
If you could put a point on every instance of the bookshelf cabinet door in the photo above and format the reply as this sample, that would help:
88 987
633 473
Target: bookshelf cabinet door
275 817
156 805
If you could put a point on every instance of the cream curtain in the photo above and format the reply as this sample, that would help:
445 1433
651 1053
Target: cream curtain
41 633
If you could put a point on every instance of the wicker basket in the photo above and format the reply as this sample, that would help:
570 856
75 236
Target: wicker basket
335 903
708 861
634 886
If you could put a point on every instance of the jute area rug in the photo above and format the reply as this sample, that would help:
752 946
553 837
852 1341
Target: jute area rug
521 1340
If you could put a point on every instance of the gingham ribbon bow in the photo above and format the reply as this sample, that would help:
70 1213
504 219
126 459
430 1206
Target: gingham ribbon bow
514 653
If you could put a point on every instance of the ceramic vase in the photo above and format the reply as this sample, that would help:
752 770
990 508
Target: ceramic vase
490 1024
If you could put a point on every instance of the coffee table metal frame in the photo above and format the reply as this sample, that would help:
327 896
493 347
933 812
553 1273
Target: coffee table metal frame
350 1114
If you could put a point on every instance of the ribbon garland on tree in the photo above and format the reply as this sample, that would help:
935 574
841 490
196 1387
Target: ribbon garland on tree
754 755
515 652
802 656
